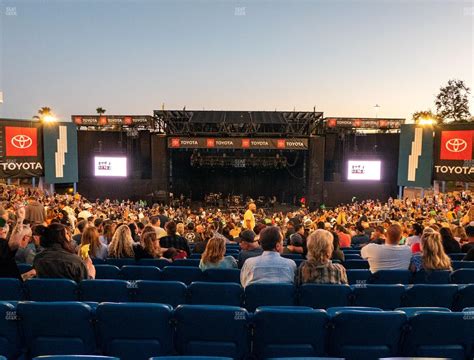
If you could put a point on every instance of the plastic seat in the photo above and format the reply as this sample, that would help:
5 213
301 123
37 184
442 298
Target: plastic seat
323 296
358 276
135 331
432 277
140 272
52 290
412 311
159 263
9 335
269 295
212 330
75 357
57 328
356 264
349 256
391 277
107 272
366 334
430 295
272 337
222 275
464 297
96 261
190 358
120 262
457 256
462 276
166 292
10 289
208 293
104 290
439 334
386 297
185 274
186 262
332 311
458 264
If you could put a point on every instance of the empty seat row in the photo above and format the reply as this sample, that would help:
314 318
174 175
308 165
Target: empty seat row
140 331
318 296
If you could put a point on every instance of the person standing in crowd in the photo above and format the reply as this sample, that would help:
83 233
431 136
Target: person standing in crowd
269 267
172 240
214 255
432 256
249 246
249 217
319 268
155 222
391 255
35 212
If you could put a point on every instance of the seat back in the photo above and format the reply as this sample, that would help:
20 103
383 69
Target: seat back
186 262
135 331
356 264
322 296
212 331
120 262
457 256
57 328
464 297
159 263
358 276
222 275
165 292
430 295
269 295
432 277
366 334
412 311
10 289
386 297
458 264
391 277
185 274
140 272
9 335
104 290
462 276
273 336
52 290
208 293
106 271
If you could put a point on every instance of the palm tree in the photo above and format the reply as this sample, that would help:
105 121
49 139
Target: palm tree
100 111
44 111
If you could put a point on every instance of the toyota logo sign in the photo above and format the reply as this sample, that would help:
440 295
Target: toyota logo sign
456 145
21 141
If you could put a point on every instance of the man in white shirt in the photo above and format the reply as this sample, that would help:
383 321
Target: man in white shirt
389 256
269 267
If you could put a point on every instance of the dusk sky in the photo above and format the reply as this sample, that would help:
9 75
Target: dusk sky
131 56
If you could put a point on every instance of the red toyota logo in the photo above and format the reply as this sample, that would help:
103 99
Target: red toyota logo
245 143
175 142
456 145
21 141
281 144
211 143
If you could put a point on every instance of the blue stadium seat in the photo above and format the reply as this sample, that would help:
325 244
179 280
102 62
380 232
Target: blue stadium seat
121 262
208 293
140 272
366 335
457 256
273 336
212 330
430 295
96 261
356 264
457 264
135 331
358 276
350 250
159 263
391 277
322 296
166 292
57 328
10 289
23 268
107 271
462 276
292 256
52 290
104 290
464 297
222 275
412 311
432 277
190 358
440 334
349 256
186 262
269 295
75 357
185 274
468 309
332 311
9 335
195 256
386 297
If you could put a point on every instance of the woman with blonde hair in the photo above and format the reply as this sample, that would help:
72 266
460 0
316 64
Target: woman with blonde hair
149 247
91 237
319 268
433 256
121 245
213 257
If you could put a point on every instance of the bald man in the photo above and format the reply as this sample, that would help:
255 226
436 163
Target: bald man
249 218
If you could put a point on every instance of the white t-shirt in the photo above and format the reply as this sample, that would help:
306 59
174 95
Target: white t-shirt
412 240
387 257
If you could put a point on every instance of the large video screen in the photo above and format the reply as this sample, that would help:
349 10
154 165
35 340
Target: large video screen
110 166
364 170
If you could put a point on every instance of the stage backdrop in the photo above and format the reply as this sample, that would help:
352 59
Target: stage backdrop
415 162
21 149
453 153
60 153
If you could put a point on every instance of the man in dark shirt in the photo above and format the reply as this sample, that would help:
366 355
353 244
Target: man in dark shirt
249 246
163 218
8 249
361 238
470 237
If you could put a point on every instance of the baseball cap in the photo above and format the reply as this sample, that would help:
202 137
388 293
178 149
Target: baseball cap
247 236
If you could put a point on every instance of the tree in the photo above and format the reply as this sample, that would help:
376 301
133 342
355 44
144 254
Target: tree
452 101
100 111
42 112
426 115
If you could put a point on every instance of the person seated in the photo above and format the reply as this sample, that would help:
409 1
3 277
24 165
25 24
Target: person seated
214 255
469 256
319 268
296 241
391 255
269 267
360 238
58 259
249 246
432 256
149 247
22 233
450 245
470 239
337 253
344 236
122 243
91 237
378 235
416 230
8 250
173 240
